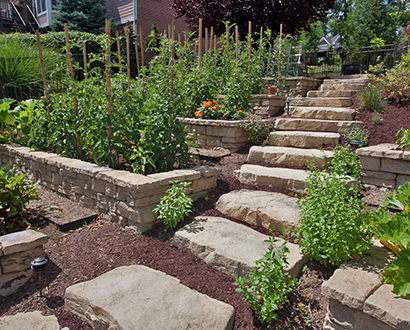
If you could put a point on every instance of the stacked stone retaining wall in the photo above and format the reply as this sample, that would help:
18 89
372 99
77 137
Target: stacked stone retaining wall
17 250
296 86
120 196
384 165
266 106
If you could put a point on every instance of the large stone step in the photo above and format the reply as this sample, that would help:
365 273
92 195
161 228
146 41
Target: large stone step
321 102
231 247
331 93
261 208
139 298
324 113
30 321
334 86
315 125
288 156
270 176
302 139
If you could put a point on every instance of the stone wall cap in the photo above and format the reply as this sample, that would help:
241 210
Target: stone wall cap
211 122
385 150
303 78
22 241
389 308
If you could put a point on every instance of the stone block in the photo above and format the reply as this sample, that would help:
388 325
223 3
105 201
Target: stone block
387 176
351 287
370 163
9 283
110 190
401 180
389 308
20 261
30 321
395 166
22 241
204 184
241 139
214 141
379 182
385 150
145 299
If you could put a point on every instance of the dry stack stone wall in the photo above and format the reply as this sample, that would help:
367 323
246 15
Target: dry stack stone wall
297 86
266 106
384 165
17 250
121 196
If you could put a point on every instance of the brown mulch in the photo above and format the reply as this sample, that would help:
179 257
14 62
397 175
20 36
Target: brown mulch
86 252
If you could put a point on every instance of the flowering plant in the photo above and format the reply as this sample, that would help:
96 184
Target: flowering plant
212 110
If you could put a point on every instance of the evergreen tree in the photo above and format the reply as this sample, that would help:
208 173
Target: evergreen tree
81 15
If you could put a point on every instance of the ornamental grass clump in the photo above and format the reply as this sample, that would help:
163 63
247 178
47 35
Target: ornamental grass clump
332 220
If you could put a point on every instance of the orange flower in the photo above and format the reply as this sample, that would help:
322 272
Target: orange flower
206 104
240 111
214 107
133 147
196 113
200 114
214 102
406 208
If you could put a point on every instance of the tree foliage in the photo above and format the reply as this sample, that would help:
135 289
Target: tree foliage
294 14
81 15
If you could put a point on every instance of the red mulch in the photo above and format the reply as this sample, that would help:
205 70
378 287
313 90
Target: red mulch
93 249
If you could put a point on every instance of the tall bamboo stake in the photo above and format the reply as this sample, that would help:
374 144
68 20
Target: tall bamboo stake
206 40
117 36
280 47
179 38
127 36
237 43
108 76
43 74
169 31
199 42
136 53
142 48
75 101
172 59
249 46
85 60
211 41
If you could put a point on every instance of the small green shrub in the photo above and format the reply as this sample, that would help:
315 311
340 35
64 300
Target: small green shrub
370 99
256 129
404 140
357 132
332 227
377 119
15 193
268 285
175 205
345 163
395 230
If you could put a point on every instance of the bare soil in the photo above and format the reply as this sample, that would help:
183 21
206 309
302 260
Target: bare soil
83 253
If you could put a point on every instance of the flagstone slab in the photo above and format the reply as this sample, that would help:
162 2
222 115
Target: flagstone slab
304 139
230 247
316 125
323 113
30 321
139 298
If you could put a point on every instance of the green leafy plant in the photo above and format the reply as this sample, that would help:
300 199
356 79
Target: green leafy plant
356 132
369 98
377 119
345 162
256 129
268 285
175 205
332 227
15 193
395 231
404 140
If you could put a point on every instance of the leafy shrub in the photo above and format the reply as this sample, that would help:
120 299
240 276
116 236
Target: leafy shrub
15 193
357 132
175 205
395 230
268 285
404 140
377 119
332 227
370 99
345 163
256 129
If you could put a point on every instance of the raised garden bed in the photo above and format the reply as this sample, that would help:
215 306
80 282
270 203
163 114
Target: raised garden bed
121 196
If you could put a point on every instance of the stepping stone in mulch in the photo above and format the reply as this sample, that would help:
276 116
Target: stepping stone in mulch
29 321
261 208
230 247
139 298
62 211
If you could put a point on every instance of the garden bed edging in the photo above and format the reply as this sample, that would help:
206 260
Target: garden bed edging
17 250
384 165
120 196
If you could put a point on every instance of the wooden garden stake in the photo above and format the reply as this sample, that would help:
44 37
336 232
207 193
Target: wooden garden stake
280 47
260 42
142 48
75 101
211 41
172 59
85 60
179 38
199 42
206 40
237 43
117 36
136 53
249 45
127 36
43 74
